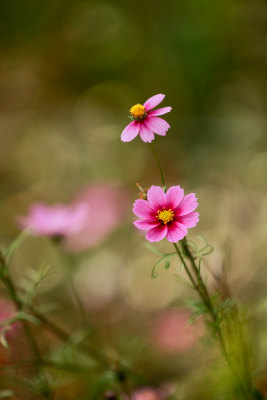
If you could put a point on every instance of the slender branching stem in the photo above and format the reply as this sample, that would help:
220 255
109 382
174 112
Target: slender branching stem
26 326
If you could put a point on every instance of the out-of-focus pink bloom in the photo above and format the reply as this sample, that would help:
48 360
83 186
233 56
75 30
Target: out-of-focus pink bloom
172 333
147 393
7 312
108 205
166 214
146 121
58 220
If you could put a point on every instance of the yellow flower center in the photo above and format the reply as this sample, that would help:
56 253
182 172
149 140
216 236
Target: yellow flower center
165 215
138 112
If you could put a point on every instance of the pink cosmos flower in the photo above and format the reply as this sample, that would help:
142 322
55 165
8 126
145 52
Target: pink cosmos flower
58 220
107 208
166 214
146 121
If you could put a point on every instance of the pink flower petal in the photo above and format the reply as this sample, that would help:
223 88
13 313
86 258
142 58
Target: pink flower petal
107 204
143 209
156 234
146 134
174 197
56 220
146 223
190 220
187 205
147 393
157 125
156 197
176 232
130 132
159 111
153 101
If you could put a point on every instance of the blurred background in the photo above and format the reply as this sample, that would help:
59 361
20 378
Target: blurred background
69 73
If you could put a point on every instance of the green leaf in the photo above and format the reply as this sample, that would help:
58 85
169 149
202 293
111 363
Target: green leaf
167 264
20 316
15 245
154 274
23 316
154 249
46 308
3 339
31 282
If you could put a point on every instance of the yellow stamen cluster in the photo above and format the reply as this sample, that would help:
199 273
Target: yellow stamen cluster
165 216
138 112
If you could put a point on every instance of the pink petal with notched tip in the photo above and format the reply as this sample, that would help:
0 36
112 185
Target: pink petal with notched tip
187 205
156 197
130 132
143 209
153 101
157 233
157 125
174 197
146 223
176 232
146 134
159 111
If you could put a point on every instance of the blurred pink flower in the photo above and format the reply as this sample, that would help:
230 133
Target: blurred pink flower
146 121
58 220
147 393
166 214
7 312
172 332
108 205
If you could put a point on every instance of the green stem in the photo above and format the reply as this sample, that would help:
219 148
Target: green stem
159 165
202 290
68 262
196 270
53 328
78 301
186 267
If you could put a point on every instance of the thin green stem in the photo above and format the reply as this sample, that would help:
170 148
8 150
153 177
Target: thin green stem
49 325
78 301
68 262
159 165
196 270
185 267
